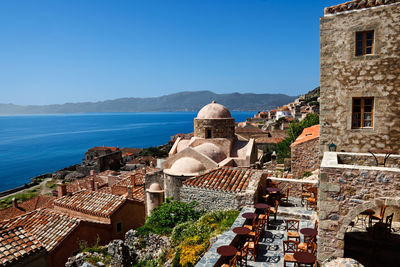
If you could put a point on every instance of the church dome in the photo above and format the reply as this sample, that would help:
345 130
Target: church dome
214 111
187 165
212 151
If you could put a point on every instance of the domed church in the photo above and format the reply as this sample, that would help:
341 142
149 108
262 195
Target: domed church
213 145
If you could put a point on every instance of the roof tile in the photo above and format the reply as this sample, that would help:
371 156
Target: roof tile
226 179
47 227
357 4
91 202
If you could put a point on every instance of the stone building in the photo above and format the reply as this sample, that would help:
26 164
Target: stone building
222 188
119 212
52 237
305 152
100 159
213 145
360 76
360 86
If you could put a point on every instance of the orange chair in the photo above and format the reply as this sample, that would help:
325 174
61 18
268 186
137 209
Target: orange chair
274 210
253 245
305 192
289 248
305 246
265 218
285 196
232 262
242 255
292 229
313 199
378 217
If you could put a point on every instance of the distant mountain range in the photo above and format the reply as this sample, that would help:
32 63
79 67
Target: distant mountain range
183 101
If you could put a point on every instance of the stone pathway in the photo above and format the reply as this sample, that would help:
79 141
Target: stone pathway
270 251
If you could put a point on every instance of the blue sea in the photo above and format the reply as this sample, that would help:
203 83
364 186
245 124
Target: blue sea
31 145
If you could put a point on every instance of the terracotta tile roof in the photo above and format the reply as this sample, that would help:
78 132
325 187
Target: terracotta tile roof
134 151
268 140
91 202
41 201
357 4
138 193
85 183
15 244
103 148
222 179
308 134
248 129
49 227
279 174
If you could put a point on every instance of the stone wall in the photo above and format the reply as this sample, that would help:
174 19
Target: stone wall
344 76
294 184
305 157
366 159
209 199
344 192
220 128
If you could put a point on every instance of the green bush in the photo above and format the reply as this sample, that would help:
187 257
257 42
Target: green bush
154 152
171 213
295 129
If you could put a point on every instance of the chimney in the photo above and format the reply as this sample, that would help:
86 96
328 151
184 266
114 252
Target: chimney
133 180
14 202
62 190
96 186
92 184
92 173
129 191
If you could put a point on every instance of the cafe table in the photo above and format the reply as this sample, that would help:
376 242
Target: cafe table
308 232
242 232
226 252
261 207
304 258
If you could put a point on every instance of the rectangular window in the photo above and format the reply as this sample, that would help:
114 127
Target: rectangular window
364 43
119 227
363 112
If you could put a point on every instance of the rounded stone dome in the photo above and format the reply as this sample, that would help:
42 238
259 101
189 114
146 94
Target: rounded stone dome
212 151
214 111
155 188
187 165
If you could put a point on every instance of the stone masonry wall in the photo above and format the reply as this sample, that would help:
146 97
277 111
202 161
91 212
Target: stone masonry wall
220 128
344 76
305 157
346 191
209 199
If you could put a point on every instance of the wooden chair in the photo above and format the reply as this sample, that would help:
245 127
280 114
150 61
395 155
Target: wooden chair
313 199
265 218
252 225
232 262
274 210
378 217
305 246
305 192
292 229
285 197
289 248
242 255
383 228
253 245
256 230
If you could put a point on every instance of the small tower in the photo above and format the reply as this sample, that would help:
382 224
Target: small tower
154 197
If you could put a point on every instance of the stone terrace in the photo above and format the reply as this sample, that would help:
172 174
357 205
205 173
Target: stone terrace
270 252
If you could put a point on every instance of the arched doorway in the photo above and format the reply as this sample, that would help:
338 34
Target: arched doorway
368 244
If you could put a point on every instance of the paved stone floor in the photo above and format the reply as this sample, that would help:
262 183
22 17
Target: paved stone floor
270 251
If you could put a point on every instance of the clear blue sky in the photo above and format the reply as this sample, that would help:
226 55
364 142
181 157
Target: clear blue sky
91 50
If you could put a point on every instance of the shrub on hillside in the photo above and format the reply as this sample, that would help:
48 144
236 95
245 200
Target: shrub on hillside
171 213
295 129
